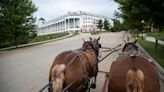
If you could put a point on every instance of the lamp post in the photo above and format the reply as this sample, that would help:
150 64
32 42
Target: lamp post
142 21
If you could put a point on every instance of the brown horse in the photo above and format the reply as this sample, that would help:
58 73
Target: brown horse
132 73
75 68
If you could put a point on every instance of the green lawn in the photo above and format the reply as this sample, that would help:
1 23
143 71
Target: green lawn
159 35
157 54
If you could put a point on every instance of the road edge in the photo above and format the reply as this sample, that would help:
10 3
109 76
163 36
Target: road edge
36 43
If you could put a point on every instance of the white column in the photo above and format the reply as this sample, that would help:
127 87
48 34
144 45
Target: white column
65 24
53 27
74 23
68 23
57 26
62 25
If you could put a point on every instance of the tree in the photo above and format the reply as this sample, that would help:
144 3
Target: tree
100 24
134 11
16 21
117 25
42 20
117 14
106 25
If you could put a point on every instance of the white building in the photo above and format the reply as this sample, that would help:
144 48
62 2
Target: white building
73 21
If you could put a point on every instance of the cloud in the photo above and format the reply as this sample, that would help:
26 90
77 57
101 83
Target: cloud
50 9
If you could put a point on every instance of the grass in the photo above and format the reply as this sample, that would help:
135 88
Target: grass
157 54
159 35
47 37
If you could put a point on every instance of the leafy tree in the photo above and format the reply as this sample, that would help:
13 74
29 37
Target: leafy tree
117 14
117 25
106 25
134 11
16 21
100 24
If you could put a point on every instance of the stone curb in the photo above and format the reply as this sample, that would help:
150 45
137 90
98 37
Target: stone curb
160 69
35 43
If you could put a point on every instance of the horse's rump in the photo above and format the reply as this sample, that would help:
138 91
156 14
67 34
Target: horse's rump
79 69
124 63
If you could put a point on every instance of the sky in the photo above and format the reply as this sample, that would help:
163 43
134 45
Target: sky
50 9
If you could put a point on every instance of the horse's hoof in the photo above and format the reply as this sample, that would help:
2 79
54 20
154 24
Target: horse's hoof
93 86
49 89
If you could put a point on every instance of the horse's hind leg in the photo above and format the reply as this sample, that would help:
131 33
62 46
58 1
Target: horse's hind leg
93 81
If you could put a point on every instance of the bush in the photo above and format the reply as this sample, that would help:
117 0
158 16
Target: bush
47 37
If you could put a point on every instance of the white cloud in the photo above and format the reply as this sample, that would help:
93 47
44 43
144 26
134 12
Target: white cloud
50 9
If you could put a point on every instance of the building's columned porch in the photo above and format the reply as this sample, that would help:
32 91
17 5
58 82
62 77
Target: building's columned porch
66 25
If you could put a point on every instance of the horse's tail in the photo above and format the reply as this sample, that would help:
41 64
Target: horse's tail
135 80
57 75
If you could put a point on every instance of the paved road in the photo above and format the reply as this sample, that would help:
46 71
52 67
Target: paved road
26 69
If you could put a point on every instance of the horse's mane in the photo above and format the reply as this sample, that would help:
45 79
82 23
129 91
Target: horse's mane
127 44
90 43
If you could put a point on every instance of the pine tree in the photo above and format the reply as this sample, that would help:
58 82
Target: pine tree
100 24
106 25
16 21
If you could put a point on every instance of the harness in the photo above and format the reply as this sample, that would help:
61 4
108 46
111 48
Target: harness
92 49
50 83
83 64
132 54
126 45
81 58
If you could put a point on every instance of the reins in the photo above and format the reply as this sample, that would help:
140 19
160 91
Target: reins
110 49
59 73
106 82
73 59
